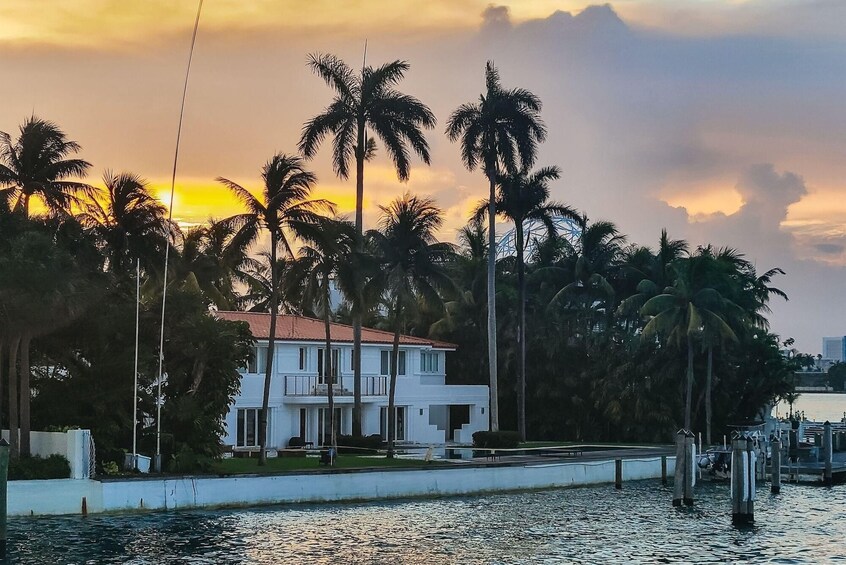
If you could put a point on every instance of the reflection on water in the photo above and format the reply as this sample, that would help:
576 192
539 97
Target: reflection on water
816 406
588 525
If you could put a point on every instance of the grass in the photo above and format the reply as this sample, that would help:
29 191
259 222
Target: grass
249 465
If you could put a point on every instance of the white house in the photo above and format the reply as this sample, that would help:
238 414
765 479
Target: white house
428 410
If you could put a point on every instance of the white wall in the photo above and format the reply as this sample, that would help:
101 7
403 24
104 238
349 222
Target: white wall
73 445
65 497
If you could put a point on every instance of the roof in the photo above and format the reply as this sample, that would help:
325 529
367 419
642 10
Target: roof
300 328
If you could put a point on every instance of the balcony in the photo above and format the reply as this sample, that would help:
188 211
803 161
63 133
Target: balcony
302 385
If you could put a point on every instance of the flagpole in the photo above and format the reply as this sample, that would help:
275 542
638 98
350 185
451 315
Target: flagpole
135 380
158 457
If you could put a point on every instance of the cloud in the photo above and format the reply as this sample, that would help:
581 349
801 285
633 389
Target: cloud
830 248
496 19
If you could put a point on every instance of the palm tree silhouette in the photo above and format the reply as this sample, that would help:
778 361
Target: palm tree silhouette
283 203
366 100
497 133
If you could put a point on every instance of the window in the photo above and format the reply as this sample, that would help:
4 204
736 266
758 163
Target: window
303 359
336 355
352 360
429 362
303 423
399 424
247 427
386 359
323 425
258 360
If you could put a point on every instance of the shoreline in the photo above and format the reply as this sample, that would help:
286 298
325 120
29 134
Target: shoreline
68 496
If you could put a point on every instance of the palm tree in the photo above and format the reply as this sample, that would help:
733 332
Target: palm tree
322 259
497 133
413 268
131 223
283 203
682 313
37 164
368 99
523 197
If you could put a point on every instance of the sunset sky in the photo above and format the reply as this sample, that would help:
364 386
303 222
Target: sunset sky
722 120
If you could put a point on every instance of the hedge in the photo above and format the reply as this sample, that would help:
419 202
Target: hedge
496 440
35 467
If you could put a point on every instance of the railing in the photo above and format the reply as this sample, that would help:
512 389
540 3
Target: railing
303 385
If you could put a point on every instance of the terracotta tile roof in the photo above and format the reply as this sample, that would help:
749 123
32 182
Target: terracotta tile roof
300 328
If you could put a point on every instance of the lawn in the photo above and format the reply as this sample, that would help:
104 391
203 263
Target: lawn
249 465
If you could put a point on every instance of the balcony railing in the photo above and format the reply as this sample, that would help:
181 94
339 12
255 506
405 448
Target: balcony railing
303 385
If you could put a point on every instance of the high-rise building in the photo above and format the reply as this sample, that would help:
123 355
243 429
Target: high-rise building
834 348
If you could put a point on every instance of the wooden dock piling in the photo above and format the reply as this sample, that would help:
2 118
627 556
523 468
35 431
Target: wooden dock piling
689 472
4 475
775 488
664 470
618 474
678 476
742 481
827 453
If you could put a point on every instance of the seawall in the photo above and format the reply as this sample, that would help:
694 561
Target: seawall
65 496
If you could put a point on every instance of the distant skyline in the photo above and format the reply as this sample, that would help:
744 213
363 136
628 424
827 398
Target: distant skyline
721 120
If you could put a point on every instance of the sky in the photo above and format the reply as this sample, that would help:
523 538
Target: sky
721 120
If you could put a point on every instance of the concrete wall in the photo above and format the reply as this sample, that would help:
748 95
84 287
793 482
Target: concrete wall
65 497
74 445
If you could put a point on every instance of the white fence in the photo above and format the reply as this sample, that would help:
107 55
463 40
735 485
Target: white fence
76 446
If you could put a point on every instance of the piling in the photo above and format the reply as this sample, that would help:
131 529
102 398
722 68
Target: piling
678 476
618 474
664 470
4 476
84 507
775 488
689 476
742 481
827 453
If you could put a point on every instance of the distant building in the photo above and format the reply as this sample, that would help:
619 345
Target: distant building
834 348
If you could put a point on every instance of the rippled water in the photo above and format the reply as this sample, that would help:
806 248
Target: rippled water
805 524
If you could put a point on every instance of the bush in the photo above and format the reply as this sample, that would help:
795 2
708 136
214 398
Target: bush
496 440
359 445
35 467
296 441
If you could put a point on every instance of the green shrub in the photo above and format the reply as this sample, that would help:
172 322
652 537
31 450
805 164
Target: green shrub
359 445
35 467
496 440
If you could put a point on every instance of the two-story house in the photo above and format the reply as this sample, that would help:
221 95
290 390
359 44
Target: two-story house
428 410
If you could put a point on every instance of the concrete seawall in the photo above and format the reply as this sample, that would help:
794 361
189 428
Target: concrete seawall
65 496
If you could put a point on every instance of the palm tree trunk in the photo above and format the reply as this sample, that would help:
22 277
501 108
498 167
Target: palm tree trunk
25 396
689 395
274 308
521 333
327 365
492 358
708 385
392 417
13 395
357 311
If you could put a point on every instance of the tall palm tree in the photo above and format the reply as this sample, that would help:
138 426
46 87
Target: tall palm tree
524 197
682 313
37 164
498 133
322 259
131 224
412 269
283 203
362 100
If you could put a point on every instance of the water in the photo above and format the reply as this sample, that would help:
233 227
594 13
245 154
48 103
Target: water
804 524
817 406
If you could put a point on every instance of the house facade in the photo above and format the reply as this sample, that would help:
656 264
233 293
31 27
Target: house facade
428 410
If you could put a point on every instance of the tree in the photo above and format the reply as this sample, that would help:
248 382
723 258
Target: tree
284 202
368 99
322 259
37 164
680 314
412 269
523 197
131 223
498 133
